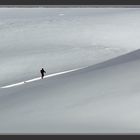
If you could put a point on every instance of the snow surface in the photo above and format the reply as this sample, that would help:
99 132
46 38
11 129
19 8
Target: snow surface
61 39
103 97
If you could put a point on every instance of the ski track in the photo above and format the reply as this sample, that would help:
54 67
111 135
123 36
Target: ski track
39 78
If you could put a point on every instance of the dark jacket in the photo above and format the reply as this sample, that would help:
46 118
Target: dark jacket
42 71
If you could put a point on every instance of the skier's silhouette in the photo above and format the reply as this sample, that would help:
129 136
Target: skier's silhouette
42 71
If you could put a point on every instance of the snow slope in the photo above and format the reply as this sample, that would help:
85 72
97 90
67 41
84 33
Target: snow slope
60 39
39 78
103 98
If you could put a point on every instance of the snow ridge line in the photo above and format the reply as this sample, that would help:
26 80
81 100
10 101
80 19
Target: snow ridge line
39 78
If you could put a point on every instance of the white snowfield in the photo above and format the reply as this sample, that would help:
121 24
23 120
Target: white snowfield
92 60
60 39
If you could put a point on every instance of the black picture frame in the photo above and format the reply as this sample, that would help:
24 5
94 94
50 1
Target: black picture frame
74 3
70 2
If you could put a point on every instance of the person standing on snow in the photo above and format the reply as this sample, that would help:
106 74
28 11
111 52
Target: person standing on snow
42 71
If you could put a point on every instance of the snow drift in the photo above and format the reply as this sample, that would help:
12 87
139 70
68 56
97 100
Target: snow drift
103 98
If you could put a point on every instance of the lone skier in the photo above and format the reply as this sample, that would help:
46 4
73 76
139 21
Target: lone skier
42 71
